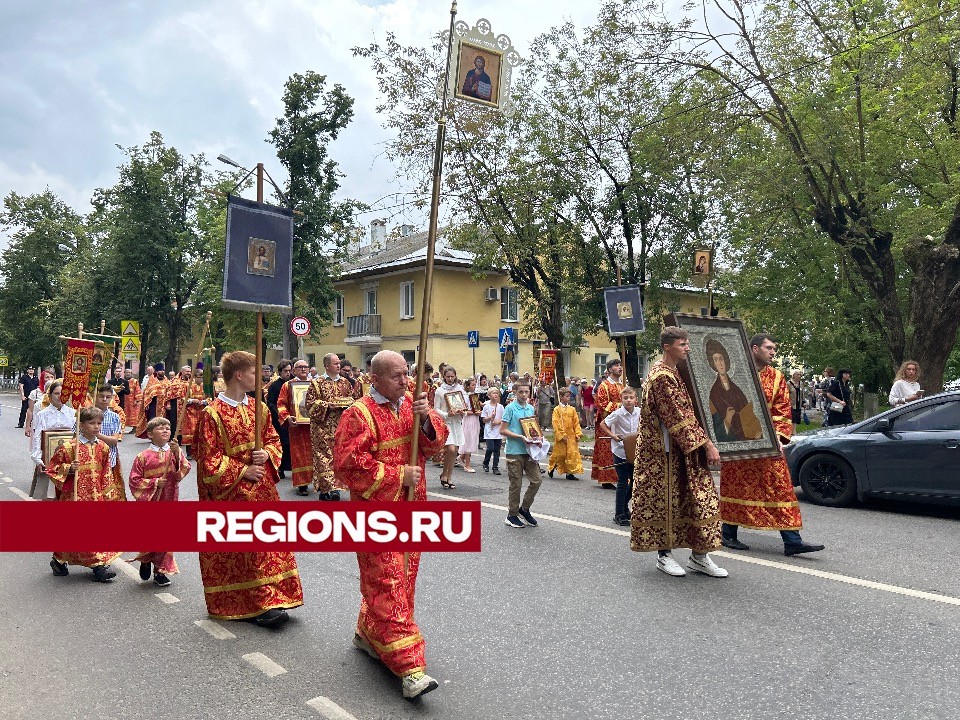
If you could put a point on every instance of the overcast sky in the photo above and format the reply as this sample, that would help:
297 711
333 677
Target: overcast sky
78 77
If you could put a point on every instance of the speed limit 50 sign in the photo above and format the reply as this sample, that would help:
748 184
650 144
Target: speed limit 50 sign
300 326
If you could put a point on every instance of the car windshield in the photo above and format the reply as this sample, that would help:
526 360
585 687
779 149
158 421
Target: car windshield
942 416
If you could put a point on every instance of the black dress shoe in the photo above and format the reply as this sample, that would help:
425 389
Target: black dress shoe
302 490
161 580
144 571
103 573
733 544
550 472
59 568
333 495
271 618
803 547
571 476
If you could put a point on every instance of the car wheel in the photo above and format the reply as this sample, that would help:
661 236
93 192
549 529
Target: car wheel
828 480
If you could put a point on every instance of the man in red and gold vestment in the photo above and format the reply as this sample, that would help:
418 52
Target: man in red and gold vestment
131 403
256 586
675 503
151 403
371 456
758 494
188 400
301 451
607 399
329 395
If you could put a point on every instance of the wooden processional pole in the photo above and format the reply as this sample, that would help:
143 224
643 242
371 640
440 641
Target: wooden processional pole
258 395
431 247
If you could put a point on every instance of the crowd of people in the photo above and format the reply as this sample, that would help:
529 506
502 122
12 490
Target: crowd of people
350 430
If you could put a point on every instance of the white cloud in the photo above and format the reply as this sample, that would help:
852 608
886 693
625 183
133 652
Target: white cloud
208 76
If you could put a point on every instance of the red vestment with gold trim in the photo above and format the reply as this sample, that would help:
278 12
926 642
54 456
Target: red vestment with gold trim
301 451
131 403
239 585
326 400
145 475
759 493
151 404
675 503
371 447
94 480
607 399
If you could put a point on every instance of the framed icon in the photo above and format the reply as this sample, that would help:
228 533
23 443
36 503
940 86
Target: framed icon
531 428
261 257
475 404
50 440
298 394
722 380
455 402
701 262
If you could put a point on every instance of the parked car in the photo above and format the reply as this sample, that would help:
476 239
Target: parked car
911 452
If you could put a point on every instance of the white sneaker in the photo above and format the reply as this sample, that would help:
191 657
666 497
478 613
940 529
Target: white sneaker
707 566
361 643
418 684
667 564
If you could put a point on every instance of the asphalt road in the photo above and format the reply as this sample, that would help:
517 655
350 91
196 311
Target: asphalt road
558 621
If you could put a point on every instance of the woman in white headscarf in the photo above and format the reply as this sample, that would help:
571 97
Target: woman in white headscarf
452 412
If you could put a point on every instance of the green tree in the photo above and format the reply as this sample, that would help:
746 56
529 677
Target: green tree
847 123
313 117
47 255
151 256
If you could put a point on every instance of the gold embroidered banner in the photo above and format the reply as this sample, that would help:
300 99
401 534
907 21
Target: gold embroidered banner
76 373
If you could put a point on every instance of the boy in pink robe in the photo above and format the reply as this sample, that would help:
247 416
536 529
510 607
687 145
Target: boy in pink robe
156 476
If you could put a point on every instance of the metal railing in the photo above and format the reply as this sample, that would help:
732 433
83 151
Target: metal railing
363 325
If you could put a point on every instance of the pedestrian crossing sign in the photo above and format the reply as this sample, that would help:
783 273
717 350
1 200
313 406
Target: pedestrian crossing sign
131 345
130 328
4 361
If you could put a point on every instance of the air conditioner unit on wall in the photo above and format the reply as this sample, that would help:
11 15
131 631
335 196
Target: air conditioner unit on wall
492 294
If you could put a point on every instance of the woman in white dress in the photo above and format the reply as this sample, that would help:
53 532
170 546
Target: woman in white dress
471 428
453 419
906 386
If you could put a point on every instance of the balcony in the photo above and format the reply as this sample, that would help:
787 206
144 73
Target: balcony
363 329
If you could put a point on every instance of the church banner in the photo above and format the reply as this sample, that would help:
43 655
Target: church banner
76 373
548 366
258 263
624 306
99 364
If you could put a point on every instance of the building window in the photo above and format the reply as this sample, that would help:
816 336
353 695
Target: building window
338 310
599 365
370 306
311 359
410 356
406 300
508 304
704 311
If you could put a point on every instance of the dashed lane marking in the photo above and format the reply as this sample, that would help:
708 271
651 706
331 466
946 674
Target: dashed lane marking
264 664
167 598
824 574
213 629
23 495
329 709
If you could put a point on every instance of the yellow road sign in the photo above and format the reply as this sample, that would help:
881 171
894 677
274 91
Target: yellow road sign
129 328
4 361
131 345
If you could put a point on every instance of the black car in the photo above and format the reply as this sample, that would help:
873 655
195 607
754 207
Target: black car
910 452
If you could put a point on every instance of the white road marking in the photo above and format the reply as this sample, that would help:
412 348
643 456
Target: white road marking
826 575
127 569
23 495
167 598
214 629
329 709
264 664
6 479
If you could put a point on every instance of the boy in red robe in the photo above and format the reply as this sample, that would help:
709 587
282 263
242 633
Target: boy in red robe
82 472
370 456
155 476
255 586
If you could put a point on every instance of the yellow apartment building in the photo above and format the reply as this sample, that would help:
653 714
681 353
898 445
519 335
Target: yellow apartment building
380 300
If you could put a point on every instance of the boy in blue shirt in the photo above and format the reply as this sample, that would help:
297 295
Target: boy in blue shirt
519 460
